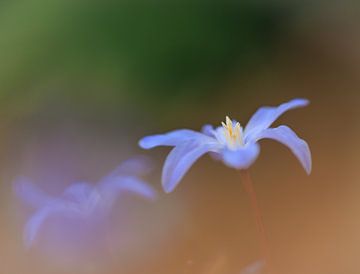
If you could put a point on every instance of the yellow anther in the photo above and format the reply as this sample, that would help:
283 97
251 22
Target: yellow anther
228 122
233 133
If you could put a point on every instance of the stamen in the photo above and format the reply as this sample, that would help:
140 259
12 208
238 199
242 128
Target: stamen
233 133
228 122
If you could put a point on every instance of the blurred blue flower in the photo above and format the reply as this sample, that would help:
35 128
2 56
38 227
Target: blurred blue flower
89 203
236 147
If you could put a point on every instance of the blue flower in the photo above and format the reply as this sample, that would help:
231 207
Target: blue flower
236 147
83 201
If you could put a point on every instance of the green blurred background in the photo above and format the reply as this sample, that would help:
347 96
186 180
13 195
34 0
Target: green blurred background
82 81
148 53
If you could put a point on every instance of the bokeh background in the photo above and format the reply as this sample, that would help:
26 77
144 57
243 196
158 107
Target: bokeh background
82 81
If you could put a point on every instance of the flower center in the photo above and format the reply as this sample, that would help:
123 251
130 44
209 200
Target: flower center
233 134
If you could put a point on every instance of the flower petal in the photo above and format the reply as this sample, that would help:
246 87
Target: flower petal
171 138
137 165
32 227
265 116
128 183
181 158
30 193
288 137
208 130
79 192
241 158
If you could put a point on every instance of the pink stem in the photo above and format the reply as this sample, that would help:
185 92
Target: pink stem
264 246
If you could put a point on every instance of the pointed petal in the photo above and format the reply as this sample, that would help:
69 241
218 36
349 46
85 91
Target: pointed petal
30 193
241 158
137 165
265 116
131 184
139 187
181 158
33 226
288 137
171 138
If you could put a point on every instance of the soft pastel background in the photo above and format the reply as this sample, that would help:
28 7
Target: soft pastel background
82 81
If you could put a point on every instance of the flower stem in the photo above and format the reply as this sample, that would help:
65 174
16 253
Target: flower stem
263 240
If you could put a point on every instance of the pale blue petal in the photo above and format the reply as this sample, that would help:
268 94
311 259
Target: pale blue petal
131 184
208 130
288 137
138 187
30 193
218 134
137 165
265 116
78 192
33 226
241 158
171 138
84 197
181 158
